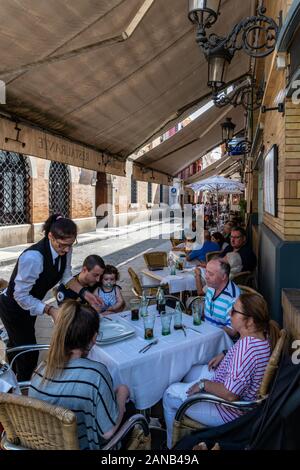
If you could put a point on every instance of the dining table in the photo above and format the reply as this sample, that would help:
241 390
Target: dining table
148 374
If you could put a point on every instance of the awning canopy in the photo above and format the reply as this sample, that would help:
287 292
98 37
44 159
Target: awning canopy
193 141
106 74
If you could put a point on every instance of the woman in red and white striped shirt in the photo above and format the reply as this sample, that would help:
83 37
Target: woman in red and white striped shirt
236 375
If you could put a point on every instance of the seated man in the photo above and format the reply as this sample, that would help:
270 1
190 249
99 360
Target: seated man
232 375
238 243
220 295
189 244
207 246
89 276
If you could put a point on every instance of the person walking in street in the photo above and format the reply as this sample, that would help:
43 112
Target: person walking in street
38 269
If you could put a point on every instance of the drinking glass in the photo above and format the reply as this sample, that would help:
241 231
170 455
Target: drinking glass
197 311
149 321
165 323
134 307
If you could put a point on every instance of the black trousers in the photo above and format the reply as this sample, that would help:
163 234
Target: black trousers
19 325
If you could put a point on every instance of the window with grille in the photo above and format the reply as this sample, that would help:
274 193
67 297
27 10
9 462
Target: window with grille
149 193
59 189
133 190
14 189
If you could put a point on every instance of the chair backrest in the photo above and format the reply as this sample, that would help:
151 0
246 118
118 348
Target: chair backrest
136 283
272 365
248 290
35 424
211 254
155 259
176 241
244 278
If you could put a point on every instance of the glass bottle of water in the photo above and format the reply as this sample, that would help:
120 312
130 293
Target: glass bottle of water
143 305
177 316
160 300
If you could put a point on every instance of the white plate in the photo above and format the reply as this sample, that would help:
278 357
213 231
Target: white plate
112 330
114 340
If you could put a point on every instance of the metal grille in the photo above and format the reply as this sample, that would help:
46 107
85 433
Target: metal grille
14 189
59 189
133 190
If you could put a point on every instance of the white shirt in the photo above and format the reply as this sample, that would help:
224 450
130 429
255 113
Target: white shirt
30 266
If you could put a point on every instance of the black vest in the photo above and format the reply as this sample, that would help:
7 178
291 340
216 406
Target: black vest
48 278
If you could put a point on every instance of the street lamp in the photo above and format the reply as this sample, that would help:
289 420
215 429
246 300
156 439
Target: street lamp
227 130
219 51
238 146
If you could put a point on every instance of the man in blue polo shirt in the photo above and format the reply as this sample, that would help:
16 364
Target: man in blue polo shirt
220 295
207 246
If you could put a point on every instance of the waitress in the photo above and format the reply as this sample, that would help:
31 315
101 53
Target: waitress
38 269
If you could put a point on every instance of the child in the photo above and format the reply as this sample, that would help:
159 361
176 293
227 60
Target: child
109 291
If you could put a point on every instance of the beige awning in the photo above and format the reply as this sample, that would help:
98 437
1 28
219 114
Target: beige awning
193 141
106 74
225 166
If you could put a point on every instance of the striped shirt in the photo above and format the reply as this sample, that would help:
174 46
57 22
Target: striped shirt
85 387
241 372
217 310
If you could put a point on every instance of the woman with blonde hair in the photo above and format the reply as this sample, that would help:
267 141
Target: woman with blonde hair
71 380
232 375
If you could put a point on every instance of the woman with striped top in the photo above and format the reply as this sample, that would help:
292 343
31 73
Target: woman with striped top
71 380
233 375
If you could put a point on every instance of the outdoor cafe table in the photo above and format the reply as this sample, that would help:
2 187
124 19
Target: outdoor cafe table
148 374
182 281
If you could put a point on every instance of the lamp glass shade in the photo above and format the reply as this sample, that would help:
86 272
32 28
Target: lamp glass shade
217 69
204 12
227 130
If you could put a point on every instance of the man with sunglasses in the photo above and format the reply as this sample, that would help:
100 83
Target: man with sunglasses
238 244
220 296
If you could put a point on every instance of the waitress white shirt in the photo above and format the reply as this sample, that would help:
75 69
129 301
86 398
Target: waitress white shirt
30 266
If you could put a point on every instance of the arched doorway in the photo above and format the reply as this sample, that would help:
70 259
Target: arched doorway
59 189
14 189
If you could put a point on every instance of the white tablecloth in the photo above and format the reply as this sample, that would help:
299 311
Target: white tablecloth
179 283
148 375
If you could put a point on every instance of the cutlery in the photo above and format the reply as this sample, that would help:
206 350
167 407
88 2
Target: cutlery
193 329
183 329
145 348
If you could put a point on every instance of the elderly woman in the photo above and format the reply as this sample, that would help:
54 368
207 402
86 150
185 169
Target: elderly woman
71 380
233 375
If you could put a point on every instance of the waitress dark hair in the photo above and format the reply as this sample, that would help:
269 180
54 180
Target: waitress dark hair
60 227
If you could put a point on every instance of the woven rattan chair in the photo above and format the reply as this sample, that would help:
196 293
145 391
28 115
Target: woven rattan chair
176 241
248 290
3 285
184 425
191 300
31 424
244 278
156 259
211 254
138 288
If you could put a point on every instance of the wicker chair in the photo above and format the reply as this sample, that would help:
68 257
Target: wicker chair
184 425
211 254
156 259
248 290
32 424
137 287
3 285
176 241
191 300
246 278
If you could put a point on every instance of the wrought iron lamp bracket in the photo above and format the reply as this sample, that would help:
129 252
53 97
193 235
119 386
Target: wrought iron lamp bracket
249 95
7 139
240 37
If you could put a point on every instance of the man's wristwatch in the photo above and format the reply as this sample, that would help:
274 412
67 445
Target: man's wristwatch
201 385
